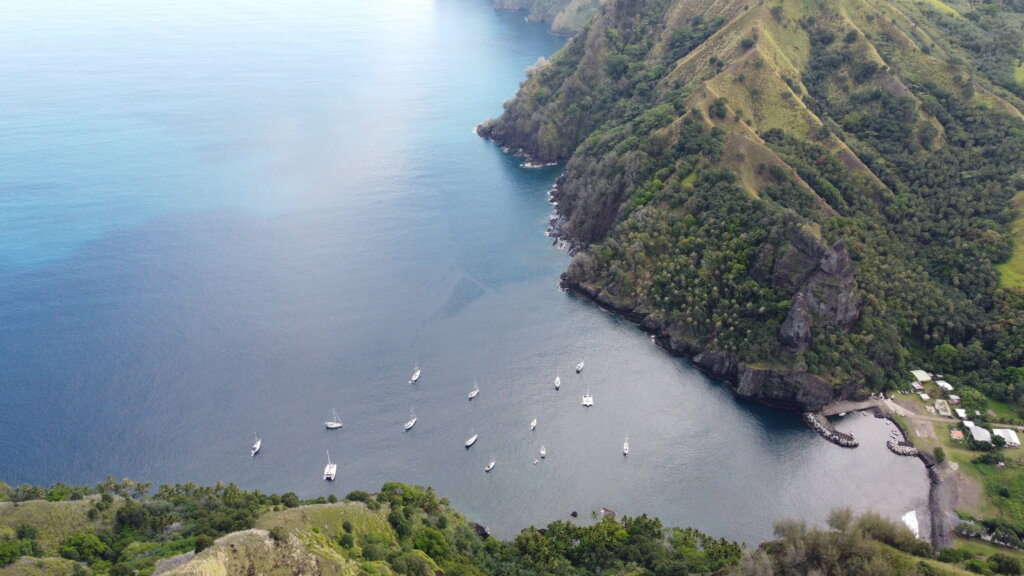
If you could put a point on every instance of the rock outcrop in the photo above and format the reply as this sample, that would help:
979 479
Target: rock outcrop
823 278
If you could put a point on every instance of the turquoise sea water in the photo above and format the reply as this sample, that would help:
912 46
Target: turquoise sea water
225 217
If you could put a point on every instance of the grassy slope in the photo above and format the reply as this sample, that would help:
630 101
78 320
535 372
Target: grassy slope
312 545
40 566
56 521
1011 272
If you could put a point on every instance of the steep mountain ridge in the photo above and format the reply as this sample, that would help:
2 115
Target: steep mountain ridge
806 194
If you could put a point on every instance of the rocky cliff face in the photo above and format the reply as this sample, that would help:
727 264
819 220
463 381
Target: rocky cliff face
565 17
825 285
775 386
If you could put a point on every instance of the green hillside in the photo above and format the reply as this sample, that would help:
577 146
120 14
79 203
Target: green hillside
807 197
408 530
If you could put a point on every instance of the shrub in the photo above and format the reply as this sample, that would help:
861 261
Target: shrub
27 532
279 533
1004 564
203 541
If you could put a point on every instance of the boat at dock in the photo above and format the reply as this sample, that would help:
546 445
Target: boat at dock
330 469
334 423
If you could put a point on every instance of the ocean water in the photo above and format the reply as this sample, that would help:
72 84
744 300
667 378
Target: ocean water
227 218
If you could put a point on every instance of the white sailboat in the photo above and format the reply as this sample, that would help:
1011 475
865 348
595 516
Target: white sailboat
558 382
471 441
256 445
533 424
543 451
415 376
334 423
412 420
588 399
625 447
472 393
490 465
330 469
579 367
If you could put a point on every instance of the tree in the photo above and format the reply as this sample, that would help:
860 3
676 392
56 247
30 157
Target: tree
84 547
940 455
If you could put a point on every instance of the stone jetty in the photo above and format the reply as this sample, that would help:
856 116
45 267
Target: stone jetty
821 425
901 447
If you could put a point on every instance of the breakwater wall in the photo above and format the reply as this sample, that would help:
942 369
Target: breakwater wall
822 426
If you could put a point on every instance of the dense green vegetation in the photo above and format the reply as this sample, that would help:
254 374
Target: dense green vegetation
410 530
726 161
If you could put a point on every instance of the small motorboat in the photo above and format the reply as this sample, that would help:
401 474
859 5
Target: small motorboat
558 382
579 367
415 376
625 447
472 393
588 399
471 441
490 466
543 451
330 469
533 424
256 446
334 423
411 422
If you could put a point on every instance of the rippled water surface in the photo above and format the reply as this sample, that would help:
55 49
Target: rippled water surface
225 217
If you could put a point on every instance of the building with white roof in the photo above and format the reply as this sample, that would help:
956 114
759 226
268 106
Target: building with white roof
1012 441
921 375
980 434
944 385
961 413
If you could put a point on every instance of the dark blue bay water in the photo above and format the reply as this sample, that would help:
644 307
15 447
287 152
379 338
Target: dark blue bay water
221 217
